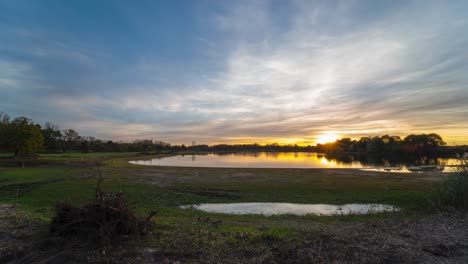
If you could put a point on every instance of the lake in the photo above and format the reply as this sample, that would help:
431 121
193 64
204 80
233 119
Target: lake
294 160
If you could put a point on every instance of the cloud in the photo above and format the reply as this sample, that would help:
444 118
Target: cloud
378 77
259 72
12 74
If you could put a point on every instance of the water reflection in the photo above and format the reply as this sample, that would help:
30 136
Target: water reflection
303 160
291 208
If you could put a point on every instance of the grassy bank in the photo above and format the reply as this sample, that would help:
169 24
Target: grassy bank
36 189
40 186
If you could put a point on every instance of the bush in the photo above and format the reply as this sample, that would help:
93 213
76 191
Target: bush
106 220
453 191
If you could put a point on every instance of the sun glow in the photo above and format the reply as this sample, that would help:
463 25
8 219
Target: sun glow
326 138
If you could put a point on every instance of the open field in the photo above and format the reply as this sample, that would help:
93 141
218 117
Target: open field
189 235
78 155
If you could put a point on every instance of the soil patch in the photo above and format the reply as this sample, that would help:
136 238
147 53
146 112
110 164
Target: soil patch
210 193
438 239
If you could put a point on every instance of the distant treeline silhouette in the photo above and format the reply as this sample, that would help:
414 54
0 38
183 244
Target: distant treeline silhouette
420 144
23 137
416 149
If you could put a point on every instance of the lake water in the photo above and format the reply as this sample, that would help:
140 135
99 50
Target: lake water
291 208
293 160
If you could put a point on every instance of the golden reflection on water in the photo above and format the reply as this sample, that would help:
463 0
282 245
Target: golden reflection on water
286 160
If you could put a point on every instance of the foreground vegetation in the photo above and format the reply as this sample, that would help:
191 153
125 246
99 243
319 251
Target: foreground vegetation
189 235
453 190
41 186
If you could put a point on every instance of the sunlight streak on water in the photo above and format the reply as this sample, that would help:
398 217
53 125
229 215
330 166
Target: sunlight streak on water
287 160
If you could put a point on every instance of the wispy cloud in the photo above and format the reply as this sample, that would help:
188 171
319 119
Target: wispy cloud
256 71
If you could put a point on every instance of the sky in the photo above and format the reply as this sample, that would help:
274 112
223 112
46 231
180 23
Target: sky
237 71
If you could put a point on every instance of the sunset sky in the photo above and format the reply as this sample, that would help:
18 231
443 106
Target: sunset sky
237 71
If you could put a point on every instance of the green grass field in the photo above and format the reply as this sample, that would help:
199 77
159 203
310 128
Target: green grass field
79 155
37 189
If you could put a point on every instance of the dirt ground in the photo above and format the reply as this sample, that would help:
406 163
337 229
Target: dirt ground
441 238
436 239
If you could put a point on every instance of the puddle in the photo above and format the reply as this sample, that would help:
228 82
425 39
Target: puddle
291 208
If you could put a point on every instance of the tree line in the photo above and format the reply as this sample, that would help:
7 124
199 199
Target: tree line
22 136
414 144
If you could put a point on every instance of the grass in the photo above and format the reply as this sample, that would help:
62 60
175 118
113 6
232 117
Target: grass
165 188
79 155
169 187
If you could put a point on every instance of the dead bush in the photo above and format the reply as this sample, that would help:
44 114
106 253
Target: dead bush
107 219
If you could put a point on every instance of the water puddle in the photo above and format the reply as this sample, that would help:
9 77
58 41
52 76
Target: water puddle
291 208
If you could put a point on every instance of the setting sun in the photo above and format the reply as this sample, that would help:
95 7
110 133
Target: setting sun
322 139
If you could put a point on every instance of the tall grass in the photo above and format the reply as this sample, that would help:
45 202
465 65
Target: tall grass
453 190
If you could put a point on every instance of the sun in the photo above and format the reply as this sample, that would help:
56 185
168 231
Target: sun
326 138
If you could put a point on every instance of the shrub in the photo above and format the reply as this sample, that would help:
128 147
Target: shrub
453 191
106 220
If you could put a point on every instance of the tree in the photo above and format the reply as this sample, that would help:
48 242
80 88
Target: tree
392 144
21 136
375 145
72 139
434 140
52 137
423 143
4 130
